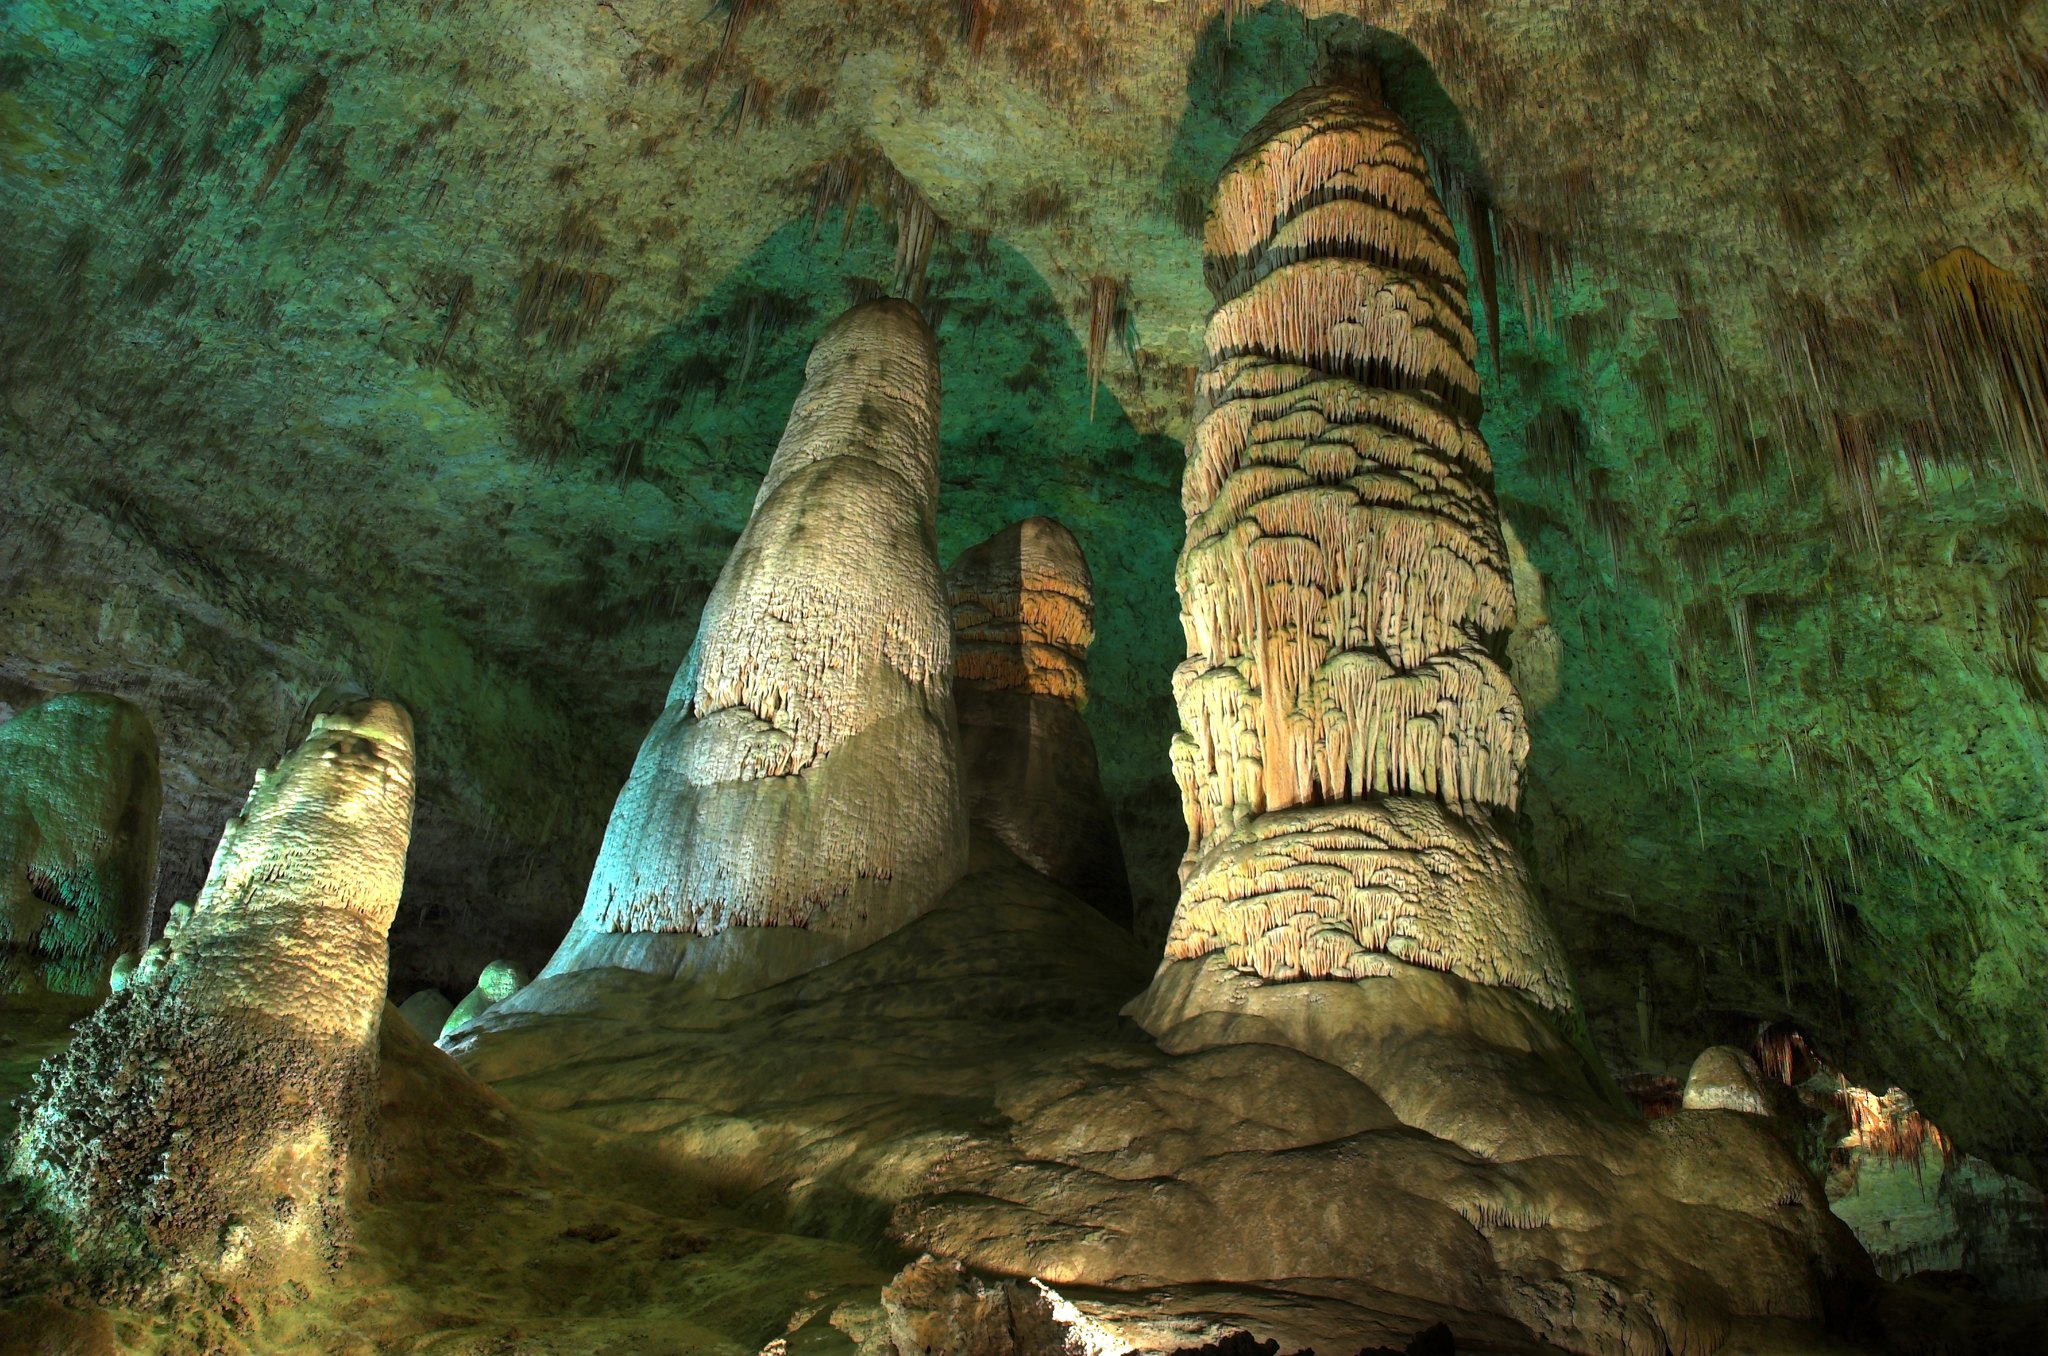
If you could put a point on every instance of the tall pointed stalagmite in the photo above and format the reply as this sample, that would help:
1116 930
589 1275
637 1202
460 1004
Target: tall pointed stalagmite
1348 726
800 795
216 1114
1023 618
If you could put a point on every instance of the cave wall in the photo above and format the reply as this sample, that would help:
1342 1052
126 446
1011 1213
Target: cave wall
433 352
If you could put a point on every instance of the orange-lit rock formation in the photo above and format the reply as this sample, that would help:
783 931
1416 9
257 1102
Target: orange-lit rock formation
1023 618
800 794
1348 723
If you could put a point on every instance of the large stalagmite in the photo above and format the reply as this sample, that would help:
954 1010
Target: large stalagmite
217 1112
1023 618
1349 727
800 795
79 796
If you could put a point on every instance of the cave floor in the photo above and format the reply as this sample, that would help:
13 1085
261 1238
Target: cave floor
588 1179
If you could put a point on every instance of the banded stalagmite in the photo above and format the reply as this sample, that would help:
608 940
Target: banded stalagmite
800 794
217 1113
1023 619
1349 728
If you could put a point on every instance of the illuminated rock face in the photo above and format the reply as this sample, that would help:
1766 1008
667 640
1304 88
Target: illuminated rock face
804 777
216 1113
1023 618
1024 612
79 798
1348 725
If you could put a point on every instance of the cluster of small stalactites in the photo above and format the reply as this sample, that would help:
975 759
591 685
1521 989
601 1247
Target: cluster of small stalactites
1349 891
1024 612
1345 588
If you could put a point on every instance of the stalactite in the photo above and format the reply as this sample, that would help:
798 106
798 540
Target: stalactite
1987 333
1107 317
917 227
304 106
1347 725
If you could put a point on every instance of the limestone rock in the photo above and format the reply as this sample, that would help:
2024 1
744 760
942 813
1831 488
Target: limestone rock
1345 589
802 785
499 981
937 1307
1355 890
1024 611
1331 1166
427 1012
1725 1079
1023 617
79 799
216 1114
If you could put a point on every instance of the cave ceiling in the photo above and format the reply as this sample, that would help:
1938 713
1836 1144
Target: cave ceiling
435 350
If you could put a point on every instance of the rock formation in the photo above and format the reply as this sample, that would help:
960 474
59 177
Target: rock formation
1348 725
79 798
1725 1079
498 982
1023 618
800 795
427 1012
216 1113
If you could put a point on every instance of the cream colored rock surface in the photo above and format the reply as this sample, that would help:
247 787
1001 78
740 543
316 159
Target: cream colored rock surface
1348 725
1427 1148
1023 617
292 920
804 776
79 800
217 1114
1725 1079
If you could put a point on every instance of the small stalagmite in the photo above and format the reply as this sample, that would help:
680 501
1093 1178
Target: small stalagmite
1349 728
800 794
1023 618
79 800
216 1115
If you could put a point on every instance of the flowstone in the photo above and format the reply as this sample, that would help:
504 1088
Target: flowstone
216 1115
1330 1166
79 800
1023 618
800 794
